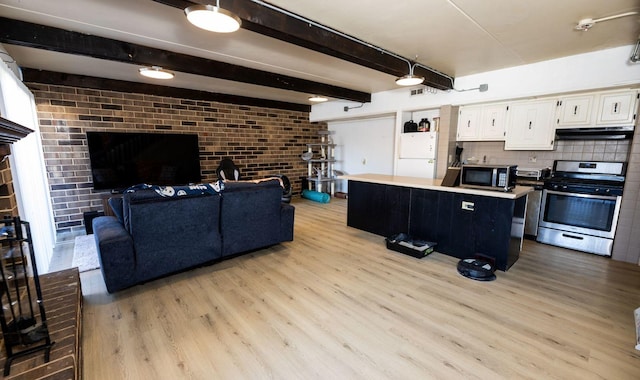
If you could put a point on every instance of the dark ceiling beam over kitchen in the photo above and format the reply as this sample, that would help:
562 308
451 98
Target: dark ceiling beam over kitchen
260 19
83 81
27 34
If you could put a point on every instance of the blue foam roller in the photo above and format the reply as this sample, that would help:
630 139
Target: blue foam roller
316 196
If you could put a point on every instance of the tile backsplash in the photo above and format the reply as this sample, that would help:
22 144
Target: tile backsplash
492 152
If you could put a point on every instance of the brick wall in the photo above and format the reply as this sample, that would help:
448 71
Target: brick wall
261 141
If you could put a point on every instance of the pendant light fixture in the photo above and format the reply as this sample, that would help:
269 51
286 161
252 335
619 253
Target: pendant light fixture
410 79
156 72
213 18
318 98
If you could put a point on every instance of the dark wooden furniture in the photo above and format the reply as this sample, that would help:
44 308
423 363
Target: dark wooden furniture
464 225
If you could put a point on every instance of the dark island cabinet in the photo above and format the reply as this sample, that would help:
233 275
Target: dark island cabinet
480 226
463 225
379 209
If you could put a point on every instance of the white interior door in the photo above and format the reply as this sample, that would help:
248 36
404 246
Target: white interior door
364 146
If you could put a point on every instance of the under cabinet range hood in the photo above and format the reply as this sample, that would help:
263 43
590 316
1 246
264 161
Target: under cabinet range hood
601 133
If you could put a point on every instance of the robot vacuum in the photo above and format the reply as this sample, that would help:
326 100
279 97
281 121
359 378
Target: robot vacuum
477 269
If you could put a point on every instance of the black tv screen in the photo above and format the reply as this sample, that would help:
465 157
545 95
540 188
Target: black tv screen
120 160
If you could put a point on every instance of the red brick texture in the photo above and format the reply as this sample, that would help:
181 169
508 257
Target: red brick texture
261 141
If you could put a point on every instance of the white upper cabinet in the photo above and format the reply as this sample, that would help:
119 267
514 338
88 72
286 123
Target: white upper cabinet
575 111
469 123
598 109
494 122
618 108
531 125
482 122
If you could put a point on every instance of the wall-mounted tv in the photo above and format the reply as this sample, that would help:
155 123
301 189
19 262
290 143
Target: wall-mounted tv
120 160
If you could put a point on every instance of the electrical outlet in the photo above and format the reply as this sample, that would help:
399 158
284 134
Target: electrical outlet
533 159
469 206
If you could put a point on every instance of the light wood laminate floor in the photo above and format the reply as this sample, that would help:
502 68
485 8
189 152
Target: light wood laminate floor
336 304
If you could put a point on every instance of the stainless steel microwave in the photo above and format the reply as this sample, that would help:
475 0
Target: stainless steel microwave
488 177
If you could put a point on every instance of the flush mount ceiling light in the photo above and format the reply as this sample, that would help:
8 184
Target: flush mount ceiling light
587 23
318 99
410 79
156 72
213 18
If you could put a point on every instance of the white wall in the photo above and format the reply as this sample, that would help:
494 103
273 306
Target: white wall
364 146
597 70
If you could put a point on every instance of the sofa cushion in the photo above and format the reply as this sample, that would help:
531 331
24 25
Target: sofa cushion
116 206
250 215
173 234
153 193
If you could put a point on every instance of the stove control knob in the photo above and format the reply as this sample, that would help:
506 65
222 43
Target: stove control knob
607 191
597 190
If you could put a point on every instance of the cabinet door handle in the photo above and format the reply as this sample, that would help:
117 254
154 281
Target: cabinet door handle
573 237
615 107
530 124
468 123
493 122
575 110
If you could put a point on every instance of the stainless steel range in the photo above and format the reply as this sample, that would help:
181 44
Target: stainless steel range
580 205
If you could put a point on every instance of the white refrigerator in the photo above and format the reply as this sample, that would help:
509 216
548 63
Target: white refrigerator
417 154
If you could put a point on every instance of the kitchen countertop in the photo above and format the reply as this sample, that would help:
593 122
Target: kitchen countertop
434 184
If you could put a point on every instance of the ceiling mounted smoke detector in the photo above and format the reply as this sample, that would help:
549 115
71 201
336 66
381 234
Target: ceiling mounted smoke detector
587 23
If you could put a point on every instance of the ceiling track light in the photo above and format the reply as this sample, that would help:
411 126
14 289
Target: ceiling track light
399 81
410 79
213 18
587 23
156 72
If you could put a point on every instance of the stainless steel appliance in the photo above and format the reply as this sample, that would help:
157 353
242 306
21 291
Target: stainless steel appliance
580 205
488 177
533 177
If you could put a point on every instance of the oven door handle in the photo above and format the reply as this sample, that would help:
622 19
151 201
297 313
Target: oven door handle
590 196
573 237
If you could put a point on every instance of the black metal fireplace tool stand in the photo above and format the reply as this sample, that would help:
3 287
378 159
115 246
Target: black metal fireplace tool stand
24 326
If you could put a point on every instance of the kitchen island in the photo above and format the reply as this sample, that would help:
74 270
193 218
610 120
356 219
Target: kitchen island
465 223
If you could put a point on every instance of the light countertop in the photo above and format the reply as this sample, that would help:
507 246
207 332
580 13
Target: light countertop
434 184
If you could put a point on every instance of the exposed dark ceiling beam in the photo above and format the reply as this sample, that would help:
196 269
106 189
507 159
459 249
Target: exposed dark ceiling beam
27 34
266 21
72 80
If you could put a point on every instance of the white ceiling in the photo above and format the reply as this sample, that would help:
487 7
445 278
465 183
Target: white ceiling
455 37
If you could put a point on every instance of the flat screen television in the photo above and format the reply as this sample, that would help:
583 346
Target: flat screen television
120 160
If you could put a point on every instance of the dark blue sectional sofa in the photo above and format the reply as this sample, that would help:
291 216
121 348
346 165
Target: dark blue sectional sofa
157 232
